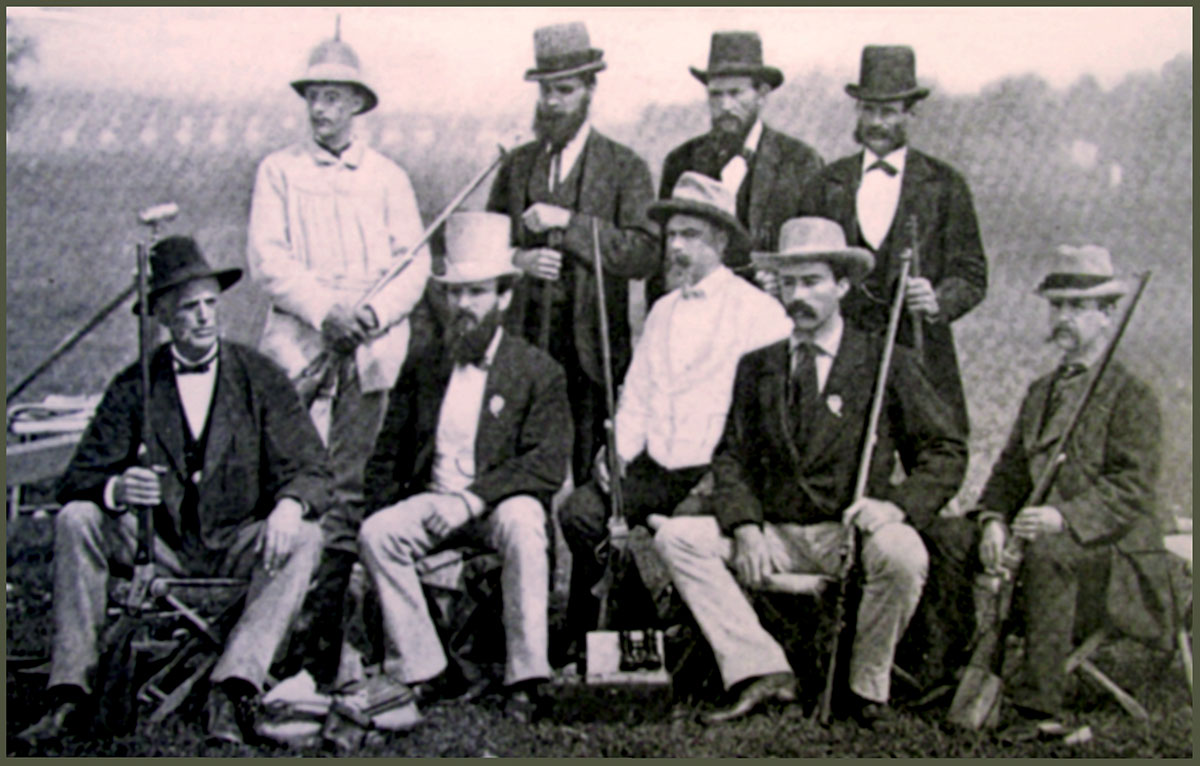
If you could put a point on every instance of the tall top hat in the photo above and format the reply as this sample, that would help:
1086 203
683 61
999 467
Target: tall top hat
333 61
563 50
887 73
176 260
802 240
1081 272
697 194
477 248
734 54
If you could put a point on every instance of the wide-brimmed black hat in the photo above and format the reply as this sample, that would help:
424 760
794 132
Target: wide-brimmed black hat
563 50
697 194
177 260
887 73
733 54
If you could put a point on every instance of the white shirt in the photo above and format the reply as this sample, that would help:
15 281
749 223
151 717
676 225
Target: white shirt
736 169
826 343
570 153
680 383
458 423
878 195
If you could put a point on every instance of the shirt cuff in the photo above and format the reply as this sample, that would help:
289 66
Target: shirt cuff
983 517
305 509
110 495
475 504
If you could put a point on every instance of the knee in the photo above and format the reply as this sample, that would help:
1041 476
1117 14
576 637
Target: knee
76 519
901 554
672 537
582 515
310 538
521 521
385 533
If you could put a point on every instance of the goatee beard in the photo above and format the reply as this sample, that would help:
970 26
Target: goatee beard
467 340
558 130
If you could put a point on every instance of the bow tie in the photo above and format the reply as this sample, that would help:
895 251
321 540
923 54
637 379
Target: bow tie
192 369
691 293
883 165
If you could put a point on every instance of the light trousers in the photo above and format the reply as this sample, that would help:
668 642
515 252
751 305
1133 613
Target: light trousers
395 538
895 565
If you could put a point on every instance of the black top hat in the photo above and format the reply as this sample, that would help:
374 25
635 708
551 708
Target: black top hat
734 54
176 260
563 50
887 73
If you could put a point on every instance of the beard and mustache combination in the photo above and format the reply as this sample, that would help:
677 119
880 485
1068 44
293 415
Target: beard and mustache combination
559 129
467 338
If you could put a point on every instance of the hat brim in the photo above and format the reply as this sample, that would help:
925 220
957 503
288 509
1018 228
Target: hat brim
458 275
769 74
858 261
858 93
226 278
1114 288
660 212
370 100
537 75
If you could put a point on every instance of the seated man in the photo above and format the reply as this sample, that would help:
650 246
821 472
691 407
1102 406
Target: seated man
476 441
236 473
1095 540
676 393
785 476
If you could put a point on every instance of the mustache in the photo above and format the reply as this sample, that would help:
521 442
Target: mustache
1061 329
801 308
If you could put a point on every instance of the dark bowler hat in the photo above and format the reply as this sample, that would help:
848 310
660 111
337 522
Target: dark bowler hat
734 54
563 50
697 194
887 73
177 260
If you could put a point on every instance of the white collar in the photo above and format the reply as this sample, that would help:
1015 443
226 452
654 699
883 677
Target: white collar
895 158
181 361
828 339
351 156
570 153
711 282
754 136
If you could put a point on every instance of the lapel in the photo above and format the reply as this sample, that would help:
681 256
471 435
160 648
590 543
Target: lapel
845 177
762 178
498 400
1039 395
518 184
772 398
1049 436
594 161
850 376
167 412
705 156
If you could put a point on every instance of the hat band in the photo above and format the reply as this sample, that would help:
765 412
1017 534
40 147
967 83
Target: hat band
1073 281
564 61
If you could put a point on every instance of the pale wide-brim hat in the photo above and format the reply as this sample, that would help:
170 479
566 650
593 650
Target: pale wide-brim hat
732 54
802 240
697 194
563 50
887 73
477 248
332 61
1081 272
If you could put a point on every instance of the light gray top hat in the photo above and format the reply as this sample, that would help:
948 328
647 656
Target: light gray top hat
477 248
1081 272
697 194
737 53
335 62
887 73
815 239
563 50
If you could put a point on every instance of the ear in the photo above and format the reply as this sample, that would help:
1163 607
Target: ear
504 300
843 287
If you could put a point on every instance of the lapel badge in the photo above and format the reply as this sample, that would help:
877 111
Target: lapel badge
834 403
495 405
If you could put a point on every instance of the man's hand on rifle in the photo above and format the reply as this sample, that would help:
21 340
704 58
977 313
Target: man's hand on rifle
341 330
601 471
991 545
1037 520
869 514
542 216
752 560
920 297
367 321
541 262
138 486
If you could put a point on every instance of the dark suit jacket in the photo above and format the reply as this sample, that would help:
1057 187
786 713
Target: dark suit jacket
261 446
1105 489
781 168
615 189
762 473
524 439
950 249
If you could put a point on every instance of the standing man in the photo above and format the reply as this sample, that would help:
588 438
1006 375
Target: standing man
328 217
1095 544
676 394
874 194
784 482
762 168
475 444
237 476
552 189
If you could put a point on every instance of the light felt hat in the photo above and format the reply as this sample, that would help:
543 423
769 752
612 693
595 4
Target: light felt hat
697 194
563 50
333 61
477 248
802 240
731 54
887 73
1081 272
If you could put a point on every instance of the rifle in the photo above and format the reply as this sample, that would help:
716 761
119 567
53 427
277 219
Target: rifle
860 484
143 561
976 701
321 371
918 324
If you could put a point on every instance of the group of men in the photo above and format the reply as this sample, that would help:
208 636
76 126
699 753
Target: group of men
455 413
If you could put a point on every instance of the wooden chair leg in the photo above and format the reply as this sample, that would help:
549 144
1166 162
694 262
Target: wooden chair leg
1130 705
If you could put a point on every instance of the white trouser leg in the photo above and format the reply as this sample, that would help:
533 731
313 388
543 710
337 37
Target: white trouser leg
517 529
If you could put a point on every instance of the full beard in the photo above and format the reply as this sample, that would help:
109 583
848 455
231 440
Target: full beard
467 338
558 129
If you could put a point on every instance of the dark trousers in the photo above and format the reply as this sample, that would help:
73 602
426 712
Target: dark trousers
647 488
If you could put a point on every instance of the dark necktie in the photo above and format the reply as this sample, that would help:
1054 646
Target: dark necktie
804 388
192 369
883 165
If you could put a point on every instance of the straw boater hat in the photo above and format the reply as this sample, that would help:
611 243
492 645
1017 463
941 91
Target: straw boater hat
1081 272
697 194
887 73
176 260
802 240
477 248
563 50
332 61
737 53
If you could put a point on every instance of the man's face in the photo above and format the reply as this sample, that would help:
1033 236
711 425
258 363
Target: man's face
331 110
882 126
562 107
694 248
734 103
1078 325
471 302
190 313
811 294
